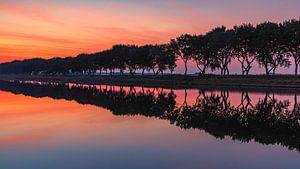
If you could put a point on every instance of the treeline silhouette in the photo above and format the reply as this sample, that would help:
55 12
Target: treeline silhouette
269 121
271 45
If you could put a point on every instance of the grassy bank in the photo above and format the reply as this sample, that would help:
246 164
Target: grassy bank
173 81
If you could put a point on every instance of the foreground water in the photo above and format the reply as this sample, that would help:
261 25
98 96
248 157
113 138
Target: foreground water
54 126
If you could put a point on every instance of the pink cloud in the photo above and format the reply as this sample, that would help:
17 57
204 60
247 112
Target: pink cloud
31 11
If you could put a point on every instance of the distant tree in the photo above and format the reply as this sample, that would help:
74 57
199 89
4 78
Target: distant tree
160 61
56 66
120 53
132 61
79 63
171 57
243 46
202 54
181 46
270 53
164 59
291 41
221 45
145 59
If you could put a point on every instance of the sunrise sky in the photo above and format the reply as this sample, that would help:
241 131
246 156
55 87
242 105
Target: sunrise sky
48 28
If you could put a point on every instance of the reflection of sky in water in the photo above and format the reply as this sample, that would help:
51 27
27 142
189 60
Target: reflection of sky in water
46 133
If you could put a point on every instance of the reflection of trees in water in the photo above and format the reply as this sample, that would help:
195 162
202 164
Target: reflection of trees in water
150 102
269 121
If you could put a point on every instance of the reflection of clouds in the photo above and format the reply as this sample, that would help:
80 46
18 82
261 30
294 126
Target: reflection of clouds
219 112
28 137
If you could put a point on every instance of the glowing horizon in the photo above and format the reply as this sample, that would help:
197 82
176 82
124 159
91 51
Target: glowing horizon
55 28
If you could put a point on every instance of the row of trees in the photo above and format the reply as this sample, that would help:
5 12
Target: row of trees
155 58
271 45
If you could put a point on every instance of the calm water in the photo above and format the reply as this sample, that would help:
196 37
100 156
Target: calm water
51 126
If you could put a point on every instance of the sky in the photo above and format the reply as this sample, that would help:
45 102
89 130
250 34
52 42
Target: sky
60 28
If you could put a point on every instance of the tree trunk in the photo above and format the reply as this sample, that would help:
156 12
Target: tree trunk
227 70
243 70
222 71
202 71
296 68
154 72
185 65
131 72
267 71
248 70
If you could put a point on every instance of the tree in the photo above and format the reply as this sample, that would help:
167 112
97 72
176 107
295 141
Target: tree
121 53
220 41
269 50
171 57
164 59
202 54
291 41
131 61
181 46
243 46
160 61
146 57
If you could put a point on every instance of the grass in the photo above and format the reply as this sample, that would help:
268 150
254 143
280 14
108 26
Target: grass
259 82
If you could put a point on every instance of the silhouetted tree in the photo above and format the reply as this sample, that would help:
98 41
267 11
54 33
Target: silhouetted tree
147 59
243 45
182 47
132 60
171 57
269 50
291 38
221 45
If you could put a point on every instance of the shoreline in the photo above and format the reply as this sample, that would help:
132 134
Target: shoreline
253 82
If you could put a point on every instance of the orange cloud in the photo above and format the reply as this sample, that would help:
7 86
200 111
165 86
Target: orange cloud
18 35
9 58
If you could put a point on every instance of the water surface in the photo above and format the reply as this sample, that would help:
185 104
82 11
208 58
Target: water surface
78 126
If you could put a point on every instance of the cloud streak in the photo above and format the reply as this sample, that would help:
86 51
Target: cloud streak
18 35
29 11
